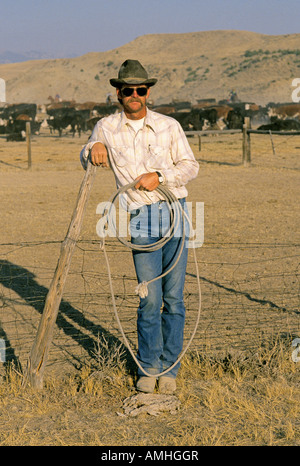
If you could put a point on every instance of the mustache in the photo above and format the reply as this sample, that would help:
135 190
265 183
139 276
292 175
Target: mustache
135 99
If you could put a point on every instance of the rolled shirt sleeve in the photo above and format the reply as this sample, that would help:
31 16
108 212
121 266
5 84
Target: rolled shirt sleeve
95 137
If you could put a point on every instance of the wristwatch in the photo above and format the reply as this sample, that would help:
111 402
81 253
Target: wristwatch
160 177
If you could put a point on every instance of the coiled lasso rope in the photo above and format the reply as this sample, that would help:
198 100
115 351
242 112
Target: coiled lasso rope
176 212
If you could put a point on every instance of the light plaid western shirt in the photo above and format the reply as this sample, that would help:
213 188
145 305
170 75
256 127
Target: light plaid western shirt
160 145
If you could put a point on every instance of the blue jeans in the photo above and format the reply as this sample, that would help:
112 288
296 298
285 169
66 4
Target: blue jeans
160 331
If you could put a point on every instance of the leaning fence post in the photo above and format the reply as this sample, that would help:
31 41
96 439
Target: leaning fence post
39 353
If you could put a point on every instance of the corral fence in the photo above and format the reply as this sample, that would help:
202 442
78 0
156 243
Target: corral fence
245 303
246 147
246 156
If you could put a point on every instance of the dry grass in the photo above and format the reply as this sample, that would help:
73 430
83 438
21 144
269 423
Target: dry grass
244 400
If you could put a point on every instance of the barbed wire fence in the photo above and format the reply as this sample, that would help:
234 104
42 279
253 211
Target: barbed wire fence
250 291
275 150
268 149
250 295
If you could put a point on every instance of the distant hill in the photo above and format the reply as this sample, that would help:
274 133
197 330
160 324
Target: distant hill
199 65
13 57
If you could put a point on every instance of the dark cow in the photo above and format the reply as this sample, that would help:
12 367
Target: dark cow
13 120
3 124
91 122
196 119
56 124
215 115
235 119
61 117
190 121
203 118
14 110
241 110
76 115
16 129
104 109
15 137
281 125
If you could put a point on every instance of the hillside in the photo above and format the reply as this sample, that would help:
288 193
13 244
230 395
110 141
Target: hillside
260 68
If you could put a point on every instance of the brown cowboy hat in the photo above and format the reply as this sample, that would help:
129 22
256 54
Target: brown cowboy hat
132 72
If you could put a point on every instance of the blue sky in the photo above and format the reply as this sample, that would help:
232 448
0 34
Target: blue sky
74 27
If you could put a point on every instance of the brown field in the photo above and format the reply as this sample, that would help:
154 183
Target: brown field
238 384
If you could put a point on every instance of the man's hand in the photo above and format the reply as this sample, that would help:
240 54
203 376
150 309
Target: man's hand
147 182
99 155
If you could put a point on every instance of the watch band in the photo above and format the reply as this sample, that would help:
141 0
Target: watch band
160 177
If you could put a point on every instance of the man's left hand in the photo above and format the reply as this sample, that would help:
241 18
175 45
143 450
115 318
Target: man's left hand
147 182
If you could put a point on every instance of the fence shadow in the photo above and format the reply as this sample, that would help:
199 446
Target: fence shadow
219 162
12 165
23 282
247 295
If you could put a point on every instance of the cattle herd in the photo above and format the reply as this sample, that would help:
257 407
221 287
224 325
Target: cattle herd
69 117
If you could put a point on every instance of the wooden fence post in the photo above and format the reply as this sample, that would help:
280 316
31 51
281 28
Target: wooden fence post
273 147
39 353
28 141
246 143
199 142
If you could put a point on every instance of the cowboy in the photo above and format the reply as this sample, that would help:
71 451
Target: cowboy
149 148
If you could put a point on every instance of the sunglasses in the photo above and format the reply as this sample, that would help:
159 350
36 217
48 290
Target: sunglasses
128 91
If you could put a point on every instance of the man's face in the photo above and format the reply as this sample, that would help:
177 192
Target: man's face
134 104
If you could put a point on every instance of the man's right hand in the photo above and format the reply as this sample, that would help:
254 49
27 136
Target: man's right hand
99 155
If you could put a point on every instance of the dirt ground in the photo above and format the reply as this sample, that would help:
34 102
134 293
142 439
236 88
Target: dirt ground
248 264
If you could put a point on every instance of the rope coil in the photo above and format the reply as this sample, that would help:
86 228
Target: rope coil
176 212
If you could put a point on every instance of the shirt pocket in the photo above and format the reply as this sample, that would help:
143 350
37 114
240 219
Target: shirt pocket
158 157
122 156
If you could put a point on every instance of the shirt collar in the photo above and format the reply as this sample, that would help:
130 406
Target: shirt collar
149 121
